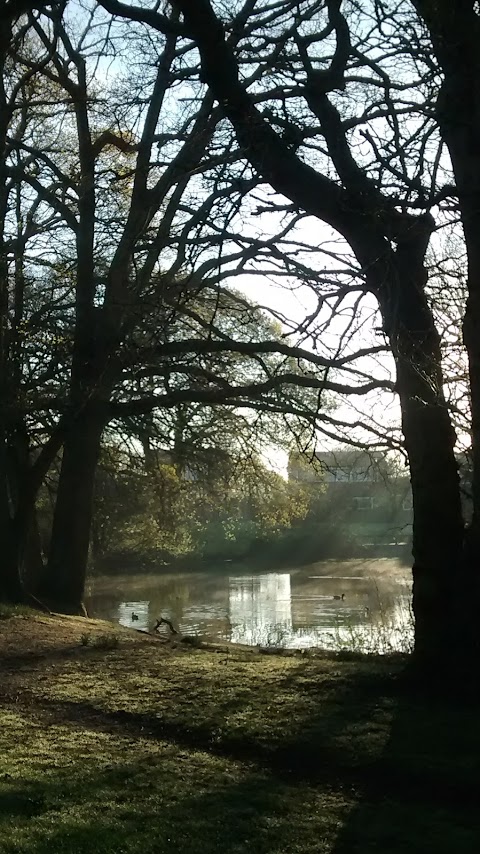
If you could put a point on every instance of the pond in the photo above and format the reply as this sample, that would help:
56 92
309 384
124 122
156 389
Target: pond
354 604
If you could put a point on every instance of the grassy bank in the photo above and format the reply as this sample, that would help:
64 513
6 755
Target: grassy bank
112 741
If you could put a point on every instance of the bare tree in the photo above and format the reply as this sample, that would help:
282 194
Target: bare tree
291 85
126 199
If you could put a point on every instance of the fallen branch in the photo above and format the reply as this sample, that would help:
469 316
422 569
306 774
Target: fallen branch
164 622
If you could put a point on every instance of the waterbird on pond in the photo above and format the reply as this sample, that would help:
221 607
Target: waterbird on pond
342 597
134 616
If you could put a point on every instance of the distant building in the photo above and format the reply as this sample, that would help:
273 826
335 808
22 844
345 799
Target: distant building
341 466
362 492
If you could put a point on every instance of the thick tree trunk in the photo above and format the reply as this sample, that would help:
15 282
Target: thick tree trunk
11 588
22 565
464 146
455 33
13 525
438 523
429 440
20 482
67 563
459 115
14 537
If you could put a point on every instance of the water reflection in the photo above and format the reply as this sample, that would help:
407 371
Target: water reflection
260 608
359 604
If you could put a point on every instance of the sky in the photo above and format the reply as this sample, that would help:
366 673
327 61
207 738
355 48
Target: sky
296 302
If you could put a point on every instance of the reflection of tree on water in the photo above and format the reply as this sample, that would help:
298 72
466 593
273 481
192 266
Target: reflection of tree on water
388 630
260 608
292 609
169 600
174 598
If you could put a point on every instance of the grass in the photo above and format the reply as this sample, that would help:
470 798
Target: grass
145 747
7 611
109 640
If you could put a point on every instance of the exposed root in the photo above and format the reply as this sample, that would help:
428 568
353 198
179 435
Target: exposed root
163 621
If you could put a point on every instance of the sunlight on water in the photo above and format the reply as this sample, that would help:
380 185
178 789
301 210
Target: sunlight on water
134 615
360 605
262 608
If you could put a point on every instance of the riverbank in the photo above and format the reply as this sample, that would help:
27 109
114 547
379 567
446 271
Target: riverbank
114 741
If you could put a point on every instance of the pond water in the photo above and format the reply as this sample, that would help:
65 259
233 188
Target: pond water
355 604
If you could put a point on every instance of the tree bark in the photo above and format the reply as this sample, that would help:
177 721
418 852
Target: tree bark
455 32
33 564
459 116
11 588
67 563
15 512
430 443
22 565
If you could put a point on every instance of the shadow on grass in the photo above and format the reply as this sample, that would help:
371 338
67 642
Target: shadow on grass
428 784
130 808
11 660
363 767
256 814
338 744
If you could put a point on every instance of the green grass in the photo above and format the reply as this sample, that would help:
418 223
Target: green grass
146 748
114 793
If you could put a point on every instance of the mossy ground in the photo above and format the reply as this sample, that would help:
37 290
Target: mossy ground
132 745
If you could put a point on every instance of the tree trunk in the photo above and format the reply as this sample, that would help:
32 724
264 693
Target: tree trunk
67 563
11 588
464 146
20 482
33 570
14 521
22 564
429 440
455 32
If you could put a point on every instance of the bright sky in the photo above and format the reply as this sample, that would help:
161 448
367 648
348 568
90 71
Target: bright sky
296 301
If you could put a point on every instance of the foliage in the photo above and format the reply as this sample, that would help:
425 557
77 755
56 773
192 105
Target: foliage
138 512
222 510
217 505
